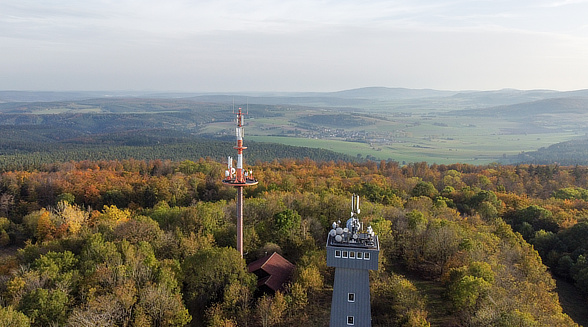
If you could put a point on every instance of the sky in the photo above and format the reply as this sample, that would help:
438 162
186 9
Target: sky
292 45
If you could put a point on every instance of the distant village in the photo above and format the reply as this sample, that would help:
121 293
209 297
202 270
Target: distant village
374 138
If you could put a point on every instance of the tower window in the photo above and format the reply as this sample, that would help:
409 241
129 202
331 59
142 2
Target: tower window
366 256
337 253
351 255
359 255
350 321
350 297
345 254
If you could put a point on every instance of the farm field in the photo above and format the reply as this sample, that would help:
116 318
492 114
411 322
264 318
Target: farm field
476 128
441 139
411 131
474 150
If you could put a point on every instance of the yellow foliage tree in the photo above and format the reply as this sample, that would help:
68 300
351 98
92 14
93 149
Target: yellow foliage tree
45 227
116 215
71 215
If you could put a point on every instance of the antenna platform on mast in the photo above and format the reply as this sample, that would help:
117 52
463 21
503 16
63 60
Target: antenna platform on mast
239 177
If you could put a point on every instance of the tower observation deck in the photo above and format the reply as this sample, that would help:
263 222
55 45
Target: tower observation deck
353 252
239 177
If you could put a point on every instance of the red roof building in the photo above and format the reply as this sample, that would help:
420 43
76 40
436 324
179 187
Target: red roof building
272 271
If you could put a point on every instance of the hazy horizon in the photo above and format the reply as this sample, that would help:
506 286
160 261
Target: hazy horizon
278 93
292 46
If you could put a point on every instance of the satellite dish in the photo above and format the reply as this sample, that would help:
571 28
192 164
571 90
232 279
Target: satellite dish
338 238
345 230
339 230
333 232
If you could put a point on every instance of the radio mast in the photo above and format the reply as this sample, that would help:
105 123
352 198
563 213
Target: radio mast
239 177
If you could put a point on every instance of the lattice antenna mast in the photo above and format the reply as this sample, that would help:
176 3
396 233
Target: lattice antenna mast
238 177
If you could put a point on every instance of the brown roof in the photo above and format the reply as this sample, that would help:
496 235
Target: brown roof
277 270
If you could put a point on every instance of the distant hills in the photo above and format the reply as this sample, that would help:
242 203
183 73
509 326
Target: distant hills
360 95
553 106
378 123
367 93
46 96
386 93
426 97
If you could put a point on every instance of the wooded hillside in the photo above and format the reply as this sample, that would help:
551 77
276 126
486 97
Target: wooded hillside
136 243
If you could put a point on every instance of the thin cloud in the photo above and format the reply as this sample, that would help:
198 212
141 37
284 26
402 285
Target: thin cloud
288 45
563 3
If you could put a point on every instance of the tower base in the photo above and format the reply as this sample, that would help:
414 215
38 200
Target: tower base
350 305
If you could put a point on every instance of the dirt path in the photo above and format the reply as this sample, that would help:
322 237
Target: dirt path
438 308
437 305
572 301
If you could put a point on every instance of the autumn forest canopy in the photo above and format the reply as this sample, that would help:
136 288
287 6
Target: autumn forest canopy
137 243
112 210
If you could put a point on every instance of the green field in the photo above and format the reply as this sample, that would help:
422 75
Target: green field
476 150
440 140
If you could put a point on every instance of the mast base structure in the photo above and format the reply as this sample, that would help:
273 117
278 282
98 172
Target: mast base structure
239 177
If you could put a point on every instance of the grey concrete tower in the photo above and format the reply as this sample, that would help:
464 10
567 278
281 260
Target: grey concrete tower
353 252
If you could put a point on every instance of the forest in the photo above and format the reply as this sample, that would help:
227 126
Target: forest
565 153
20 147
136 242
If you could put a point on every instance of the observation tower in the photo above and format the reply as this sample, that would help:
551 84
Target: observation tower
353 252
239 177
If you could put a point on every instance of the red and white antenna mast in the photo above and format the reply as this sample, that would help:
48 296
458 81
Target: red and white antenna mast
238 177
